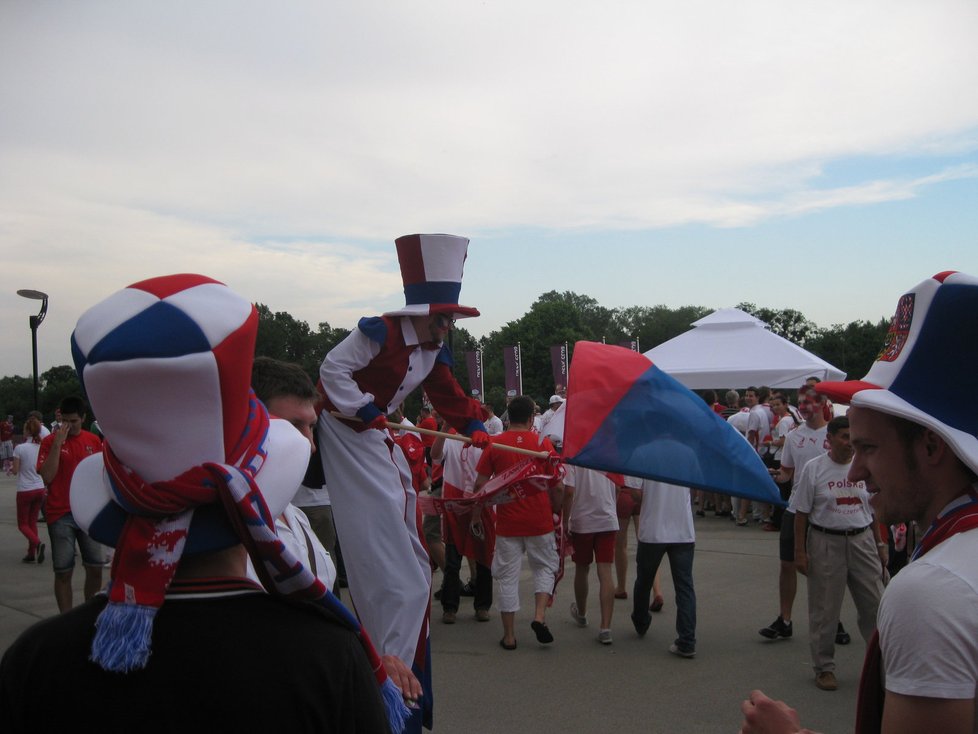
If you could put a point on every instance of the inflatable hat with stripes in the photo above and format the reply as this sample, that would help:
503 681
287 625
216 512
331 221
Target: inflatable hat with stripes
166 366
926 370
431 269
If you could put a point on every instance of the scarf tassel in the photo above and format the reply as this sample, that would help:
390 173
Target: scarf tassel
397 711
123 637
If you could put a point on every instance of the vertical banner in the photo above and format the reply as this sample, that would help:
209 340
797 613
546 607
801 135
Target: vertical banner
476 385
558 360
632 344
514 371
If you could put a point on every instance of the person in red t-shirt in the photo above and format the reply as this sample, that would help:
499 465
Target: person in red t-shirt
524 525
59 455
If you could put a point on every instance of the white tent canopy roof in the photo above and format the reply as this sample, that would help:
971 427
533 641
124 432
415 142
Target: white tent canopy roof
732 349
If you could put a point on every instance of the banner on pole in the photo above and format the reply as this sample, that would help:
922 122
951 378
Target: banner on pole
476 386
514 371
558 360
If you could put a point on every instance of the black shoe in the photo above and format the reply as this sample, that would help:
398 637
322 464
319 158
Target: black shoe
40 553
468 589
642 624
841 636
438 595
777 630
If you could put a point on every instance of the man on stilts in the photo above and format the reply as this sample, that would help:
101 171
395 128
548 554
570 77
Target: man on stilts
362 379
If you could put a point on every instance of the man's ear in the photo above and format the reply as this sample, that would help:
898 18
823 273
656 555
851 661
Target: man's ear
935 447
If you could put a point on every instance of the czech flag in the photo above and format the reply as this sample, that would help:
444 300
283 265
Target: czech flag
626 415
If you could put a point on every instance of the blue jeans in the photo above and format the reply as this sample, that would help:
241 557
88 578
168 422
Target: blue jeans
647 559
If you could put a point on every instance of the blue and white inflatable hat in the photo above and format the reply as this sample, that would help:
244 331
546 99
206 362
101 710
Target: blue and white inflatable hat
925 372
166 366
431 269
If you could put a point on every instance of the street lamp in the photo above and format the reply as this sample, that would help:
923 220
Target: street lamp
35 322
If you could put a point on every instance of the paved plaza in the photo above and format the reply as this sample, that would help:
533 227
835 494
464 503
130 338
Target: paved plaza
576 684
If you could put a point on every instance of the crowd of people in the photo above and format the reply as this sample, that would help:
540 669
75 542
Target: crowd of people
254 495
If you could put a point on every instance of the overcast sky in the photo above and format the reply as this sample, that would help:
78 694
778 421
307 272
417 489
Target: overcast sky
817 156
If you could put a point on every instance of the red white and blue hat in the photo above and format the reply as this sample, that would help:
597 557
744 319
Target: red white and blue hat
431 269
926 370
166 366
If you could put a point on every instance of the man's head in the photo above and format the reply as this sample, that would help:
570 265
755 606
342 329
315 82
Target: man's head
778 405
433 327
489 411
521 409
732 398
555 402
811 406
914 420
287 393
74 413
837 434
750 395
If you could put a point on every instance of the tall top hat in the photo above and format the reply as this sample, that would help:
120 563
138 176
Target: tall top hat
925 372
431 269
166 366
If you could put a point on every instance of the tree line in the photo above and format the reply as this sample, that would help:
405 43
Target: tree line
554 318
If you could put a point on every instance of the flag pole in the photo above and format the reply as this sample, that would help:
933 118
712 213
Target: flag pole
442 434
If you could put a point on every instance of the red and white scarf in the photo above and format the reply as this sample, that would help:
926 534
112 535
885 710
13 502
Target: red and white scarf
154 536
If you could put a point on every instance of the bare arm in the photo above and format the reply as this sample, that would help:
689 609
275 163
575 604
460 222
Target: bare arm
15 467
801 549
52 462
909 714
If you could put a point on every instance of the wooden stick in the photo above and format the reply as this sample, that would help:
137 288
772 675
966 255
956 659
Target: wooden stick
442 434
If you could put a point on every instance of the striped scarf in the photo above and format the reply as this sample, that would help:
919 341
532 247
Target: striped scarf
151 544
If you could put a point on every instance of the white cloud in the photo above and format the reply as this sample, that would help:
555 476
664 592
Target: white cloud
184 135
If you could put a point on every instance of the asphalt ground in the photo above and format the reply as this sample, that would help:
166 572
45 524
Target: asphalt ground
577 684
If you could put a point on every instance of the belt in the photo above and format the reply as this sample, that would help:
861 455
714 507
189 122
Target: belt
832 531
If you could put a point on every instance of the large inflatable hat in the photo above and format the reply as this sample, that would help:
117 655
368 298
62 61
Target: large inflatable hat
926 370
431 269
166 366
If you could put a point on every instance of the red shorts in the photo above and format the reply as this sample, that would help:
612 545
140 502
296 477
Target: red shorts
594 546
627 506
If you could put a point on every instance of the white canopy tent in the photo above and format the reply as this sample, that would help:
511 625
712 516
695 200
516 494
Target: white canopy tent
732 349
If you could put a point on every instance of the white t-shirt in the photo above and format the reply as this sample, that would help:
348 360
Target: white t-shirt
297 535
594 509
785 426
739 421
494 426
928 623
801 446
460 461
667 509
830 499
28 479
759 420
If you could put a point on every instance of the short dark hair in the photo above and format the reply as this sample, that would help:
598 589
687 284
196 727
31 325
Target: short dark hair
840 422
273 378
73 405
521 409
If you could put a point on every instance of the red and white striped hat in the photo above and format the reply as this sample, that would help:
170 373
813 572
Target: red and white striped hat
431 269
925 372
166 366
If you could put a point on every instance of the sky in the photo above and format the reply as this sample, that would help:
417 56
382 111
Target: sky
815 156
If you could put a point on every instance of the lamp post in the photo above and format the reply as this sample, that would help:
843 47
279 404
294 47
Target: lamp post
35 322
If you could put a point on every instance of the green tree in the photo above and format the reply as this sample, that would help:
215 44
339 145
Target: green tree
16 398
653 325
56 384
282 336
786 322
852 347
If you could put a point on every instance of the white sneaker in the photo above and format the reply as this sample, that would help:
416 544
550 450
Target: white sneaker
676 650
579 618
604 637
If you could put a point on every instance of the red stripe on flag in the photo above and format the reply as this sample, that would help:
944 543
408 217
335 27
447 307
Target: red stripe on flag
411 259
170 284
600 376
